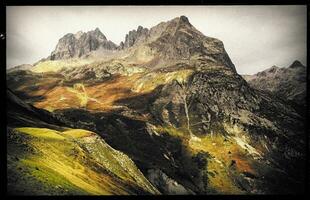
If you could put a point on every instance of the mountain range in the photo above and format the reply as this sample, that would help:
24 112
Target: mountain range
164 112
288 83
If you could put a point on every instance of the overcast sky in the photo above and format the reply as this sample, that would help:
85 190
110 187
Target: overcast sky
255 37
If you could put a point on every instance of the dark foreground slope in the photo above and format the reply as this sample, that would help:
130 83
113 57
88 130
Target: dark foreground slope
46 158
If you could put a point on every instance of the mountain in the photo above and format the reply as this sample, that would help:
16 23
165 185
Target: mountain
79 44
288 83
170 98
166 44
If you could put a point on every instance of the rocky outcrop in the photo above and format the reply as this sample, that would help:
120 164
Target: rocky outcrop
79 44
166 184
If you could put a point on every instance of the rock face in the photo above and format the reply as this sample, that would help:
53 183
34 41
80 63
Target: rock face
288 83
79 44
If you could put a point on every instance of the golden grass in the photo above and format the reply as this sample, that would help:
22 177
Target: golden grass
104 96
151 80
78 133
61 160
101 97
56 65
218 147
41 133
223 152
80 92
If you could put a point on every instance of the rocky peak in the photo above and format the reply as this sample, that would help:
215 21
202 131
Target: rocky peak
135 36
182 20
97 34
178 39
273 69
80 44
78 34
296 64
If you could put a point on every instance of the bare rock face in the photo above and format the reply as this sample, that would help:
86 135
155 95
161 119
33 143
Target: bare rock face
79 44
288 83
135 36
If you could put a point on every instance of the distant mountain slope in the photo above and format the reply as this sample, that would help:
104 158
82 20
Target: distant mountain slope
289 83
45 158
19 67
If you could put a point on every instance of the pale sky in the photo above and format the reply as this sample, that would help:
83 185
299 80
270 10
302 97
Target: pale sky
255 37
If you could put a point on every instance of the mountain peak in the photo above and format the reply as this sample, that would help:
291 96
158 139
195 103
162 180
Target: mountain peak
296 64
78 34
184 19
135 36
98 33
272 69
80 44
181 20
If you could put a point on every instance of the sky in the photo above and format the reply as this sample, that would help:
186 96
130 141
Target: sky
255 37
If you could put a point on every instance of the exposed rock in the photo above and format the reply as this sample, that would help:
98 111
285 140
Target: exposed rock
166 184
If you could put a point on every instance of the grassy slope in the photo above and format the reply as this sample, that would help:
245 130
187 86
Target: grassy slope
47 162
104 96
56 65
107 93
